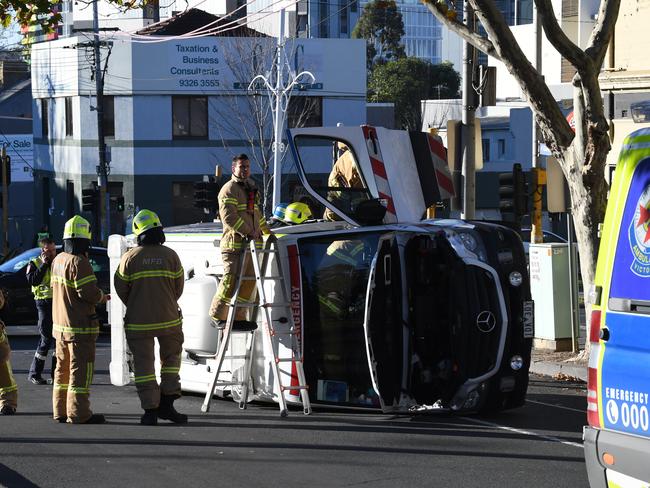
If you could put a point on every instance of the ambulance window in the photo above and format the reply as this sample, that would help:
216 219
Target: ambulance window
631 269
332 171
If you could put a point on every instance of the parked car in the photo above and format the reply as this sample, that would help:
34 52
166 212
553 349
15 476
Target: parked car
20 308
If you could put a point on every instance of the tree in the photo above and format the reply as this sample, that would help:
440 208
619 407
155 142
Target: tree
582 155
250 118
40 11
407 81
382 27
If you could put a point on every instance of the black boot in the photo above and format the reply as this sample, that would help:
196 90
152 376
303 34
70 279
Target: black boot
166 411
7 410
96 418
150 417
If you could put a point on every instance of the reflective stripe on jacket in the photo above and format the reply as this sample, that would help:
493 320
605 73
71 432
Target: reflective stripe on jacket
42 290
74 296
240 214
150 280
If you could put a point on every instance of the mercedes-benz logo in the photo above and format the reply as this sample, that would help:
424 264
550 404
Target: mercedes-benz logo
486 321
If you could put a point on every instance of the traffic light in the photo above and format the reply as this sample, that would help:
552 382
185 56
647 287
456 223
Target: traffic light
90 199
117 203
513 194
205 194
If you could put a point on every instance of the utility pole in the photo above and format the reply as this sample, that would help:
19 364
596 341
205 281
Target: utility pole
279 95
469 112
5 201
536 235
102 168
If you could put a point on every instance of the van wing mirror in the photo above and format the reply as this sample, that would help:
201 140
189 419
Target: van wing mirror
369 212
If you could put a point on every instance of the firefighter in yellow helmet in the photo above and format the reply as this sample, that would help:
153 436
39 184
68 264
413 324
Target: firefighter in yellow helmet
8 386
152 274
75 324
242 219
344 174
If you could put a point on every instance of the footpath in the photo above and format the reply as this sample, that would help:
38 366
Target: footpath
559 365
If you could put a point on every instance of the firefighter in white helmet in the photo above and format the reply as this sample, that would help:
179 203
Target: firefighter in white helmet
75 325
242 219
150 281
8 386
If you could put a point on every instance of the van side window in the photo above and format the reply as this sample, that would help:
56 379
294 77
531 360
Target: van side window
631 270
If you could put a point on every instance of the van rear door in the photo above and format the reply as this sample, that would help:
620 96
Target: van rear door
624 355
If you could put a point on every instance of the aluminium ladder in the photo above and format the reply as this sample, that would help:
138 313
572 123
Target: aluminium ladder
270 332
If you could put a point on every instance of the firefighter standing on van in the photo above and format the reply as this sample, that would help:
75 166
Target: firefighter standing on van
38 276
8 386
242 219
76 326
150 281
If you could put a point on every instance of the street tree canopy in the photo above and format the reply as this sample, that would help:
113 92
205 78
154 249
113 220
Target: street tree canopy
406 81
582 155
40 11
381 25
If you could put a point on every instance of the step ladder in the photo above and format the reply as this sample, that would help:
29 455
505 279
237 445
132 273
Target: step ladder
270 332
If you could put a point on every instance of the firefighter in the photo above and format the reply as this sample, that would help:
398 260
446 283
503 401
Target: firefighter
344 174
152 274
242 220
8 386
76 326
342 258
38 276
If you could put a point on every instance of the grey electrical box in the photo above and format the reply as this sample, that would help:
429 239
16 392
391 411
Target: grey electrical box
549 287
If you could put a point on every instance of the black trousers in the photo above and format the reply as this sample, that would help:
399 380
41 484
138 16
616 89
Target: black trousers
46 341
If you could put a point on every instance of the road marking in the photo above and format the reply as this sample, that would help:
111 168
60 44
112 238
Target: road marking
559 406
523 432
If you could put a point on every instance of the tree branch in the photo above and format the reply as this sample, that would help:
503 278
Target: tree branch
603 31
556 36
555 127
461 29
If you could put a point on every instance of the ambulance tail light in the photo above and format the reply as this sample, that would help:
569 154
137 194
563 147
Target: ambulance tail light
593 416
594 328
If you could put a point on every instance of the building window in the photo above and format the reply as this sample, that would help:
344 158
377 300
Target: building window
109 116
486 149
501 146
190 117
324 26
343 17
68 117
305 112
45 116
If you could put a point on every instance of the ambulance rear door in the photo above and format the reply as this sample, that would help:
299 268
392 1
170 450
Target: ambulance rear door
624 351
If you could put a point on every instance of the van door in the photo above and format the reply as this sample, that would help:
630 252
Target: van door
384 326
625 353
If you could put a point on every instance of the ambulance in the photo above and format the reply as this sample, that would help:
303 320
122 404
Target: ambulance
617 439
393 311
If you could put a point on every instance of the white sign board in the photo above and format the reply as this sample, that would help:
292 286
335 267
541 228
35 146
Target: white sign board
20 149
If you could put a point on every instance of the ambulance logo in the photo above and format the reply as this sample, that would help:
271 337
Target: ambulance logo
639 236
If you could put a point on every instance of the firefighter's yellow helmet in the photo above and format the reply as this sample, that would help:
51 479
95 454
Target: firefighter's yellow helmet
297 213
145 220
77 228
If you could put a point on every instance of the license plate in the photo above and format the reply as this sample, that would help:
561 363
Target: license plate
529 319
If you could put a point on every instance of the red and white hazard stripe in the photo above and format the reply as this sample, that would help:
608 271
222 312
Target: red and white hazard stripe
379 171
443 175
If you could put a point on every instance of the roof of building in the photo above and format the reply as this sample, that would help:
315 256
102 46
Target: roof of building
193 19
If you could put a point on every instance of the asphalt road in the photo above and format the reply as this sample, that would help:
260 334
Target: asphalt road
538 445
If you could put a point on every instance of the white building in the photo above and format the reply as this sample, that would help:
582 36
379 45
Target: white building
172 113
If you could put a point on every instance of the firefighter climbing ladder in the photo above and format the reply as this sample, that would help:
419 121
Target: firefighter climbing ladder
289 330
